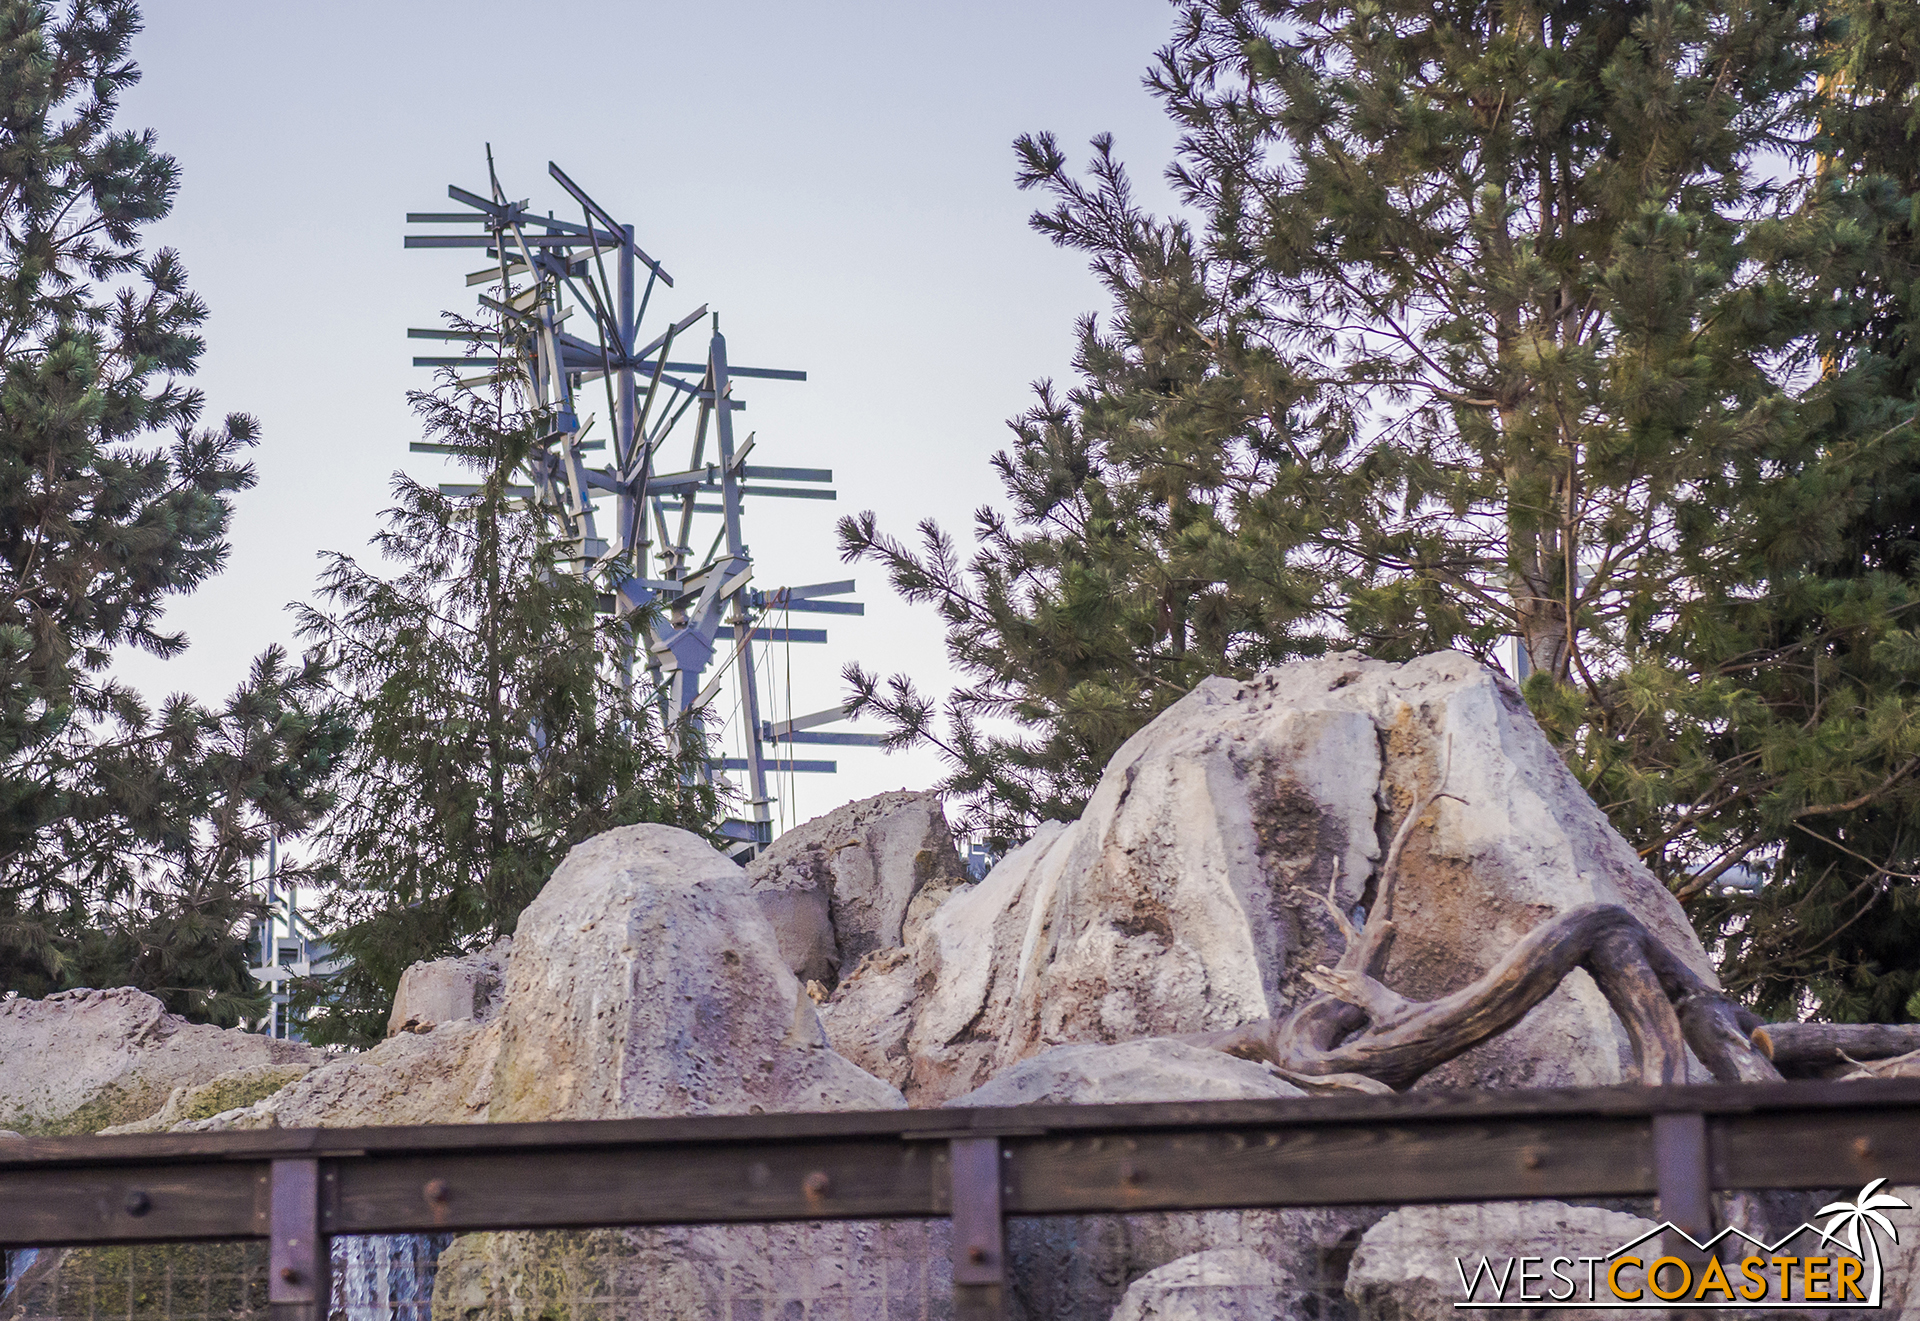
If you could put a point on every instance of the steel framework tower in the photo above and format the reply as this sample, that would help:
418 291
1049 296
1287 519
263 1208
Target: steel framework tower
701 608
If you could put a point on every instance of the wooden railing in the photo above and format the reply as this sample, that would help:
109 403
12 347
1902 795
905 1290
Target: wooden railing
297 1187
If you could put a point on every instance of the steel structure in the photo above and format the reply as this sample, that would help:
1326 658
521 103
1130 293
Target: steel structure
647 548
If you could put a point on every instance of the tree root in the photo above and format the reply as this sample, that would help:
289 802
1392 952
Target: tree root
1357 1026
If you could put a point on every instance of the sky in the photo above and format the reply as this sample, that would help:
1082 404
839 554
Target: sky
836 180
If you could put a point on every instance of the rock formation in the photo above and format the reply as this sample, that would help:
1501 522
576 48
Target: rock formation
1220 1284
450 990
1192 895
81 1061
1153 1070
1342 846
1405 1270
645 980
1078 1268
844 885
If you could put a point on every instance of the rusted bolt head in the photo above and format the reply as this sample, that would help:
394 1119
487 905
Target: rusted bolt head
138 1203
977 1255
1129 1175
817 1183
436 1190
1863 1147
1532 1159
290 1275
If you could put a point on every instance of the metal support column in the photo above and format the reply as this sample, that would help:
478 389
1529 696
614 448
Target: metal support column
979 1231
298 1284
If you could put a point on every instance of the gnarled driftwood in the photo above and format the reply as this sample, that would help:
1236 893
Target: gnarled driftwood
1357 1029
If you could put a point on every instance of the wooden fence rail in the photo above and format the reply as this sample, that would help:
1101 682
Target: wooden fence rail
297 1187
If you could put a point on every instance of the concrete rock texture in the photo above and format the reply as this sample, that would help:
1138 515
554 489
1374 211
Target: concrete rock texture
81 1061
450 990
229 1092
842 885
1080 1268
642 981
1151 1070
1405 1268
444 1076
1221 1284
1186 897
645 981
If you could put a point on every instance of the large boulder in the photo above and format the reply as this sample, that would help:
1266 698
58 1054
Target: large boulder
1220 1284
645 980
1080 1268
81 1061
469 987
1152 1070
1188 896
843 885
1407 1267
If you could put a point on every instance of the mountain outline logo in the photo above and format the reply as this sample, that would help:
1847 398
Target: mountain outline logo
1850 1279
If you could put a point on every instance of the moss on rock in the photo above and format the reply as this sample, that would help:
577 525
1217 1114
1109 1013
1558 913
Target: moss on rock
229 1091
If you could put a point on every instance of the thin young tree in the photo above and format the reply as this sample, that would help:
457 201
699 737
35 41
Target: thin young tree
494 727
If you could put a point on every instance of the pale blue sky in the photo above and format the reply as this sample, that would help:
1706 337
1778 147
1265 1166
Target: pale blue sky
835 179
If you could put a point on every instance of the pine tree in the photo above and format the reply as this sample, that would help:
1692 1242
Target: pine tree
124 830
494 732
1552 322
1837 927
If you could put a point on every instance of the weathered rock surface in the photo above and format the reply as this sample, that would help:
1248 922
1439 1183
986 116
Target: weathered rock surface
845 1270
1150 1070
450 990
444 1076
1405 1268
229 1092
1220 1284
1079 1268
1187 897
645 981
843 885
81 1061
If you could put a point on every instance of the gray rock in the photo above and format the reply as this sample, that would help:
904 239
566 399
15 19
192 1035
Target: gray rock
1151 1070
842 885
1406 1269
644 980
81 1061
229 1092
1187 896
1079 1268
1220 1284
441 1076
450 990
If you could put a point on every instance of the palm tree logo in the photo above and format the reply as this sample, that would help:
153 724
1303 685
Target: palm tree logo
1863 1212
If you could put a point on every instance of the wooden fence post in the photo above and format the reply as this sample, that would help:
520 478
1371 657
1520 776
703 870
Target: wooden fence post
298 1284
979 1233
